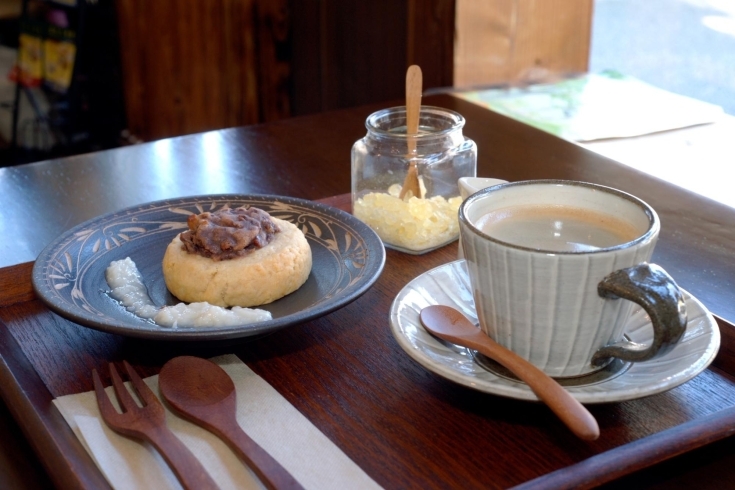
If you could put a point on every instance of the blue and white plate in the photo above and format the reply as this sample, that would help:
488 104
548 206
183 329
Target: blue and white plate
449 285
69 274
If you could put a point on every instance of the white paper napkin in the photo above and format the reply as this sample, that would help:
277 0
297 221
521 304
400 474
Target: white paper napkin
262 413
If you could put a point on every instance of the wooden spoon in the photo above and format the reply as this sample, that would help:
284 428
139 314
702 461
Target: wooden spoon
413 108
204 393
451 325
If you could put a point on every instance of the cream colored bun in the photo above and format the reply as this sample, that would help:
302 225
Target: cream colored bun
258 278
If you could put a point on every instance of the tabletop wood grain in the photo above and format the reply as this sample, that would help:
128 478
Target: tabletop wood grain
406 427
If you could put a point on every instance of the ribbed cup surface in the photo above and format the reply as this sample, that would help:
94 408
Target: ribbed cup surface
545 306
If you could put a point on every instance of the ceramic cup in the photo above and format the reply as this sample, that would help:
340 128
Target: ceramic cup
467 187
556 267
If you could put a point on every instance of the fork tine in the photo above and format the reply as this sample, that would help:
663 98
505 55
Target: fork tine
145 393
149 424
103 401
124 397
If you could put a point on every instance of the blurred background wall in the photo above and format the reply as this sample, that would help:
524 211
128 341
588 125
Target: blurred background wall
141 70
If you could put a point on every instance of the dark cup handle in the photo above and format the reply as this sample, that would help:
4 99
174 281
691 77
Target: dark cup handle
652 288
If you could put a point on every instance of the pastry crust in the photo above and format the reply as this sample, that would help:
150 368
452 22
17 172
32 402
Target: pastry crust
258 278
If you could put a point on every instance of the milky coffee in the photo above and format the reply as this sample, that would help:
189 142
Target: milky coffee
556 228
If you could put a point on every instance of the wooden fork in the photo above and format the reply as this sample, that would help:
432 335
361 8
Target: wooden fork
148 423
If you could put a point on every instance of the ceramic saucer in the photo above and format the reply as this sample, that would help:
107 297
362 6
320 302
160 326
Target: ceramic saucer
449 285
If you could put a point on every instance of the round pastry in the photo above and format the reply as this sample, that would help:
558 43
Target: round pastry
241 257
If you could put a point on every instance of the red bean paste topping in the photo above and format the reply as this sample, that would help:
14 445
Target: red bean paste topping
228 233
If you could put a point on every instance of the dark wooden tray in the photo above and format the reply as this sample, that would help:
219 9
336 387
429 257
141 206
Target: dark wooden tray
406 427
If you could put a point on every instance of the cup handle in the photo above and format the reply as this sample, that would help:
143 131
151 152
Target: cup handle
650 286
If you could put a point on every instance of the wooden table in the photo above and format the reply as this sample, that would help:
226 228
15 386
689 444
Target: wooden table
406 427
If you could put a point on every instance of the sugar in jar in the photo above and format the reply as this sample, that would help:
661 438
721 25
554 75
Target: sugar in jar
380 161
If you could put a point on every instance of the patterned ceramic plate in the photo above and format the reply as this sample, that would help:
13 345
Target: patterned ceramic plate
449 285
69 275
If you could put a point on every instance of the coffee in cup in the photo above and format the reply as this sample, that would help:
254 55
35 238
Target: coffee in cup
556 267
557 228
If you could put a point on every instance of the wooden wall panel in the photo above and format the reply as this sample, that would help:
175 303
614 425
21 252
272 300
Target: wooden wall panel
431 40
500 41
273 70
352 52
345 52
196 65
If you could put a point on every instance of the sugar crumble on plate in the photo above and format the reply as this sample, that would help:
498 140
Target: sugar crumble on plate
127 286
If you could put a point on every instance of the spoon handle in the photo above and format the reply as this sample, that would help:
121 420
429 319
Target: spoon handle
271 473
414 82
187 468
565 406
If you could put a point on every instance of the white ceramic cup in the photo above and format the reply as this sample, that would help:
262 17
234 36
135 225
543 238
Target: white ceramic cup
560 309
467 187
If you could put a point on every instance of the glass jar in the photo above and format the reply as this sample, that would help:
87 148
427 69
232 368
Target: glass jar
380 163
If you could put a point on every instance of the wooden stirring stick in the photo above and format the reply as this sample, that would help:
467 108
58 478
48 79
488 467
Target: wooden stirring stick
414 82
451 325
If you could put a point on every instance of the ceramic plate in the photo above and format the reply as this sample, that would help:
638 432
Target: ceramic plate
449 285
69 275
